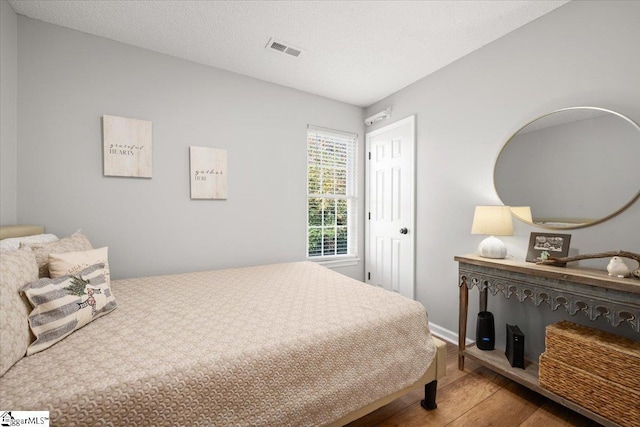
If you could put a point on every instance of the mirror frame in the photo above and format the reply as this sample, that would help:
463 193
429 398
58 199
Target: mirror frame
577 226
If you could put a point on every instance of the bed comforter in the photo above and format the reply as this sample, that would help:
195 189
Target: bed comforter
287 344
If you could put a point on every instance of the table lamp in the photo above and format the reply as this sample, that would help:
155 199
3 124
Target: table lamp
494 221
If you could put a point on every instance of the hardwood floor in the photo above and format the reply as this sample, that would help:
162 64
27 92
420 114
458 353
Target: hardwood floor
475 397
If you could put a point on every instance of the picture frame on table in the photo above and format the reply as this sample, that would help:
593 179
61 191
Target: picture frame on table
545 245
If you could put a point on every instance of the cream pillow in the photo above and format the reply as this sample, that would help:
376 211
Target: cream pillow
73 262
76 242
17 268
66 304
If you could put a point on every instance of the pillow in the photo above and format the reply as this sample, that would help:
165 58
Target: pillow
14 243
66 304
17 268
74 262
76 242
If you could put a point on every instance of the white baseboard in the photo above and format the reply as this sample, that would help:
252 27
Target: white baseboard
446 334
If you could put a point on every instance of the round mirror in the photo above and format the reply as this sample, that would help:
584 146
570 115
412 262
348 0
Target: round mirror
573 167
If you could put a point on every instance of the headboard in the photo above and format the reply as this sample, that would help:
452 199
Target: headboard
8 231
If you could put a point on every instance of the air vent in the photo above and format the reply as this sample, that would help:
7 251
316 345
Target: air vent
283 47
293 52
278 46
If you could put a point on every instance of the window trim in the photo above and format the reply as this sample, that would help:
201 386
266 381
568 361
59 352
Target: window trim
333 261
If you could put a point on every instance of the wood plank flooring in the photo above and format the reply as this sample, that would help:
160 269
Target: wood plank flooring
475 397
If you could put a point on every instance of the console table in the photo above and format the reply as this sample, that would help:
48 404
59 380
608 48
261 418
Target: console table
591 292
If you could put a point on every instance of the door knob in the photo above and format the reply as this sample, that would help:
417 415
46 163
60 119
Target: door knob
404 230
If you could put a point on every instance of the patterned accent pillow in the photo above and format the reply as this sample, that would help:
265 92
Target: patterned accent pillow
74 262
17 268
14 243
76 242
66 304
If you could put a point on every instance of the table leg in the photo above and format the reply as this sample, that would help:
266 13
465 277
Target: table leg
462 323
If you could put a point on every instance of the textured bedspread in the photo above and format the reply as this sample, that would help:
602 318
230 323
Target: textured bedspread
276 345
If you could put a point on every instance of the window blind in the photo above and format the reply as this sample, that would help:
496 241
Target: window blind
331 192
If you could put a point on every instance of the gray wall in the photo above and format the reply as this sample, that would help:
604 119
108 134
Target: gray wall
584 53
8 112
69 80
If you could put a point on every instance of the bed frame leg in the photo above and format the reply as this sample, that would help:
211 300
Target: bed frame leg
429 401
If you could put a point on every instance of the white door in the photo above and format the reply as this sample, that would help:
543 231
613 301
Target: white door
390 183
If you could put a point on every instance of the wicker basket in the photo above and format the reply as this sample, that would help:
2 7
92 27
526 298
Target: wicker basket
616 402
609 356
594 369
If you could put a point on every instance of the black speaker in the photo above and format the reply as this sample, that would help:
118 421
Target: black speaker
515 346
485 331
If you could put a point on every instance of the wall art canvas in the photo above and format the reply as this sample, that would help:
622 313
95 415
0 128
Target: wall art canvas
545 245
127 147
208 173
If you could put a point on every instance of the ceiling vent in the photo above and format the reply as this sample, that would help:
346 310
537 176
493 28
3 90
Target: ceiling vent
283 47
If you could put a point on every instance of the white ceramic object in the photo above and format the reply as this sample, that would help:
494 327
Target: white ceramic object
492 247
617 267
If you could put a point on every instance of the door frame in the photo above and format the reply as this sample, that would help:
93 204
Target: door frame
411 120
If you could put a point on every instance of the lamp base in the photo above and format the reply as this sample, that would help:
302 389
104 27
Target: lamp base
492 247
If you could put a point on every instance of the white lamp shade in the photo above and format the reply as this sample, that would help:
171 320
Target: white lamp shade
523 213
492 220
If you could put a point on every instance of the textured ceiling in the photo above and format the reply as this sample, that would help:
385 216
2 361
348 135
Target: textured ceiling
354 51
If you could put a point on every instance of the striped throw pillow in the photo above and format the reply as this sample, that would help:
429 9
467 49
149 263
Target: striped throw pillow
66 304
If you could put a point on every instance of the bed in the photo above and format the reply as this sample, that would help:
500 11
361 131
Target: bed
285 344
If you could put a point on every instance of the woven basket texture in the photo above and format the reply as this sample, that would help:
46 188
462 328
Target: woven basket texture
594 369
607 355
613 401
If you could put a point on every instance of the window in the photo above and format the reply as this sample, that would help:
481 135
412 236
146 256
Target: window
331 193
